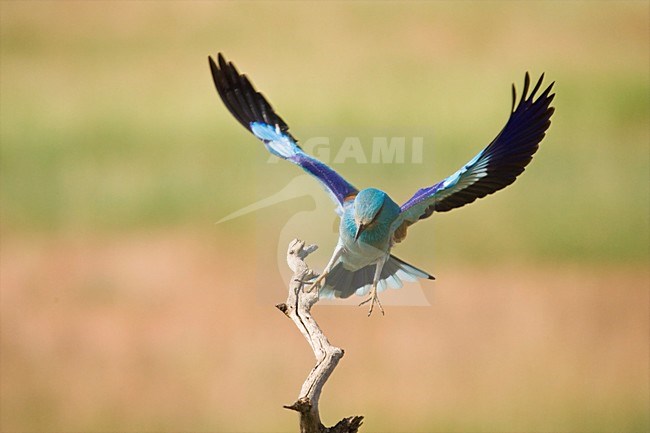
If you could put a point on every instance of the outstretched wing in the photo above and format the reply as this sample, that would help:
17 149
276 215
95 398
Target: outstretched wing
494 168
253 111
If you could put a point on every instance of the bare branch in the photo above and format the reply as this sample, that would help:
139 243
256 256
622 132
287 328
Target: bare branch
297 308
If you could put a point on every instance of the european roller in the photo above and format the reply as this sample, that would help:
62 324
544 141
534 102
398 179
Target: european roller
371 223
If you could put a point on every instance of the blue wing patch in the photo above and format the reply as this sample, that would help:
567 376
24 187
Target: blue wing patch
494 168
254 112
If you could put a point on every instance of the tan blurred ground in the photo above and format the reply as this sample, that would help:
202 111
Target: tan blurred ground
164 332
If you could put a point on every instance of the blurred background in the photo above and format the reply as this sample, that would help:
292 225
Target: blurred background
126 308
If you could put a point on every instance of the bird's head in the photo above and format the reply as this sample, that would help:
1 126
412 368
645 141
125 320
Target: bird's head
367 207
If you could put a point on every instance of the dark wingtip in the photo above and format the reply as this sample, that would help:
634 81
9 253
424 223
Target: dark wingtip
431 277
213 65
537 86
524 92
245 103
214 70
220 58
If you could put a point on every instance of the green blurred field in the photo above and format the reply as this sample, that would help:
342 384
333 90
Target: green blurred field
124 305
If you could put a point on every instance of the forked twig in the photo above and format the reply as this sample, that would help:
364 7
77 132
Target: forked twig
297 308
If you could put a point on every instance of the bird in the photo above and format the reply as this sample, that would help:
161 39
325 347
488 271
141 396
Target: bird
371 222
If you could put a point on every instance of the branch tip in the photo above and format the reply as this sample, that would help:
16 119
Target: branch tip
302 405
350 424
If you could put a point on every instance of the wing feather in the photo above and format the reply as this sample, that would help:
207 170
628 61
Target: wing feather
494 168
254 112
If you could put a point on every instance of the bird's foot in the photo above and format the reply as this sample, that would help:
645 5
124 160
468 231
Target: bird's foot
373 299
316 284
305 279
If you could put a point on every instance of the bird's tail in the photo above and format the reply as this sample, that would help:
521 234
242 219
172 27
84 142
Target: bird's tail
342 283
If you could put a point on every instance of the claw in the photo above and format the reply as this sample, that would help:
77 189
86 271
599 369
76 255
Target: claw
317 284
373 299
304 281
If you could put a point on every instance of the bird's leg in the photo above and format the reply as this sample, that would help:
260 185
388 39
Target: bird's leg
318 282
374 297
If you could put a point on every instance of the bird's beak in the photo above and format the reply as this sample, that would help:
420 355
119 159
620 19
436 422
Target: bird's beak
360 229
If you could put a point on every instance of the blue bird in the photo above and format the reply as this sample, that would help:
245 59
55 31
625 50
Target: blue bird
371 222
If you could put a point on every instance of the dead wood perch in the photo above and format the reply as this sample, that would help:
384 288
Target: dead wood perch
297 308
